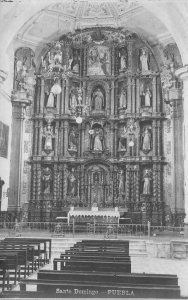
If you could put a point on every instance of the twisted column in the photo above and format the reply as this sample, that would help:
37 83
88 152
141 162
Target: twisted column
137 95
36 134
34 182
66 130
158 138
154 145
40 99
38 183
133 96
67 96
55 182
112 98
56 139
60 182
129 94
154 93
63 97
64 182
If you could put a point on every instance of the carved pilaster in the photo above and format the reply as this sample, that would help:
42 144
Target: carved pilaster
60 181
138 140
129 104
34 182
116 97
158 138
36 137
115 140
159 183
67 96
38 175
112 98
63 96
137 95
113 59
56 138
41 100
112 138
84 92
61 135
83 139
58 100
40 137
82 182
154 146
64 181
55 182
128 184
133 96
137 184
66 130
85 62
155 181
154 93
79 140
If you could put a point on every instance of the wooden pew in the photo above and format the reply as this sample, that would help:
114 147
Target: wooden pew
30 252
11 264
4 274
94 265
95 252
45 248
98 256
36 249
22 258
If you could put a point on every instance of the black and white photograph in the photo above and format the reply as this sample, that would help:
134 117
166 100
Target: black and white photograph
94 149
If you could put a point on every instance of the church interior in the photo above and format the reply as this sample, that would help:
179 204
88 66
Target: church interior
93 127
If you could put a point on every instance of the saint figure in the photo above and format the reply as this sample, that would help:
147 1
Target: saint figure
144 60
46 177
73 139
98 99
147 184
147 97
97 146
123 99
50 102
71 183
146 140
48 134
121 182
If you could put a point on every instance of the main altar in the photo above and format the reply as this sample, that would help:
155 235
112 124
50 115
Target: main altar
93 216
97 130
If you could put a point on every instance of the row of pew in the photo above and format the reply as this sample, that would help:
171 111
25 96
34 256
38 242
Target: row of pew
20 257
100 269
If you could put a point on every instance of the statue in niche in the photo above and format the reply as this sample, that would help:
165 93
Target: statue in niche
75 64
123 139
47 178
71 184
98 140
48 135
121 182
98 100
147 183
146 140
146 98
73 100
122 60
51 100
54 57
73 139
144 60
123 99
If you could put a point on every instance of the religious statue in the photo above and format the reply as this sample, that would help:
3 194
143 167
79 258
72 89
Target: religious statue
21 69
98 140
122 60
144 60
123 139
146 140
121 182
48 135
99 61
146 98
147 183
98 100
46 177
71 184
73 100
73 139
50 101
75 64
123 99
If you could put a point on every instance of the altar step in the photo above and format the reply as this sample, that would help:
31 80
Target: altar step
59 245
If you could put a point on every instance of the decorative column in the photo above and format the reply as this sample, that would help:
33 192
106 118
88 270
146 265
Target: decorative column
36 132
112 98
84 92
85 62
38 172
154 145
138 140
137 184
158 138
129 95
55 182
154 94
34 182
64 182
112 138
61 135
66 130
63 96
133 95
115 140
56 139
79 139
41 100
60 182
128 184
83 139
137 95
82 183
58 100
67 96
129 50
40 137
115 100
113 59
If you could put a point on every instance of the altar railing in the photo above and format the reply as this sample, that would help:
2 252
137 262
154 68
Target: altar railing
90 229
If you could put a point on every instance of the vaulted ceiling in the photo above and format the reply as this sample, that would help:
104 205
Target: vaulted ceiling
56 19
